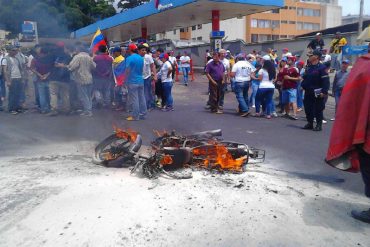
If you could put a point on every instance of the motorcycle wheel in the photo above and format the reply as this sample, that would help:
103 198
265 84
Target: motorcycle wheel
116 145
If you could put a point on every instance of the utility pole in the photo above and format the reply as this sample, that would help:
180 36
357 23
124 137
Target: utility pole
361 17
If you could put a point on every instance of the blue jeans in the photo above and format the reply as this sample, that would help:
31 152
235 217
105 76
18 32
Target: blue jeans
337 94
264 96
136 99
241 93
299 96
167 87
2 91
148 89
232 84
14 98
289 96
44 95
85 96
185 71
252 98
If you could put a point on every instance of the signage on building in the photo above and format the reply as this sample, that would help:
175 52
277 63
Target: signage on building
28 31
217 34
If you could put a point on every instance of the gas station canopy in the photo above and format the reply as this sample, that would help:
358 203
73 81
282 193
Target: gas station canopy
165 15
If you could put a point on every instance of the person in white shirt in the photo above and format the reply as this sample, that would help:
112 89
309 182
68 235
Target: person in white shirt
266 88
242 71
185 65
226 64
148 71
166 74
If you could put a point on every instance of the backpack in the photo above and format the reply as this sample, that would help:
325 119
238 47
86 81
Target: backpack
173 70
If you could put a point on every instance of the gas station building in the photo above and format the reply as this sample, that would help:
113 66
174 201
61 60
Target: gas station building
159 16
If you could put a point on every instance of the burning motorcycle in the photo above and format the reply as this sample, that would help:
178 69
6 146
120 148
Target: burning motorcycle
171 151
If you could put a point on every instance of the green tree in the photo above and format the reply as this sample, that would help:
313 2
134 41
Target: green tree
55 18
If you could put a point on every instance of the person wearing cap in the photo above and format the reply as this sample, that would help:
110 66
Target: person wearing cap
316 85
166 73
185 65
215 72
339 82
134 65
242 71
286 53
336 46
317 43
149 70
289 94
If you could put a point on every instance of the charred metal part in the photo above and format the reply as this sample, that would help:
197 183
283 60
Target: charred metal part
172 151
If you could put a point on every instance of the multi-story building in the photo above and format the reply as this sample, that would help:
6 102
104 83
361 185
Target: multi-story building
349 19
295 18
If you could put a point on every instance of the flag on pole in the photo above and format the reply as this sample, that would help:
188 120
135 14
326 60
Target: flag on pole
97 41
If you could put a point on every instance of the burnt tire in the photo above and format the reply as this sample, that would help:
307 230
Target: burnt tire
109 143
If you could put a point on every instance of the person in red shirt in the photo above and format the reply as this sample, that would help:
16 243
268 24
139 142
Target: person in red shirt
291 78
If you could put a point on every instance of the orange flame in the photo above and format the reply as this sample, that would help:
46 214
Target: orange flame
219 155
166 160
128 134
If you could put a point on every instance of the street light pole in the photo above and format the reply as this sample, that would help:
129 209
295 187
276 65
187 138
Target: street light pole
361 17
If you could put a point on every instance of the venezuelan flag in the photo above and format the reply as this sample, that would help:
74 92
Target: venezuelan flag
119 73
97 41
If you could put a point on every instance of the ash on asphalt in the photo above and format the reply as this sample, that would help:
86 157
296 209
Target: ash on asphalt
288 148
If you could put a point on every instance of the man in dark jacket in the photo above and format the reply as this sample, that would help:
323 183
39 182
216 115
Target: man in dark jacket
317 43
316 85
60 83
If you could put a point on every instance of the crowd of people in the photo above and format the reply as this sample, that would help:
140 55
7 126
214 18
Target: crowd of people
300 84
68 79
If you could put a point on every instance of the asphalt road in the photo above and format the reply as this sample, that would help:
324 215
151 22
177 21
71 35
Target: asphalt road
288 148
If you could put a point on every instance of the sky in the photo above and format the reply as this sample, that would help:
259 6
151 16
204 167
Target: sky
353 7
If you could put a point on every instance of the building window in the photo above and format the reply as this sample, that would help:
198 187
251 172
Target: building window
275 24
254 38
254 23
199 26
308 12
284 22
174 31
264 23
194 28
291 22
292 7
307 26
275 37
283 36
199 38
194 39
264 37
275 11
182 30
